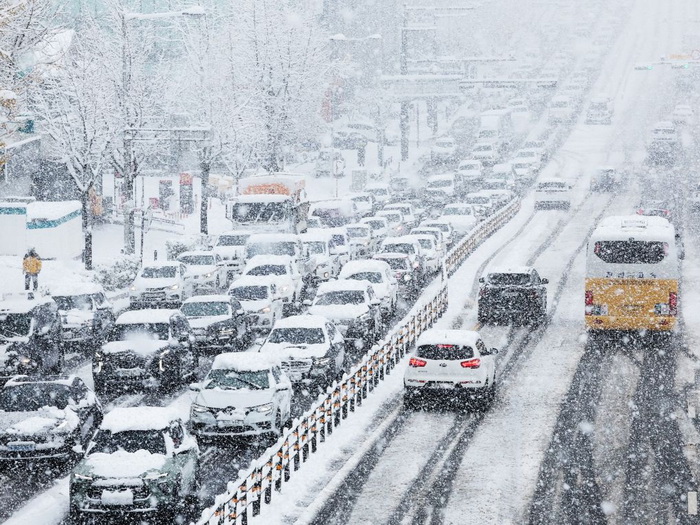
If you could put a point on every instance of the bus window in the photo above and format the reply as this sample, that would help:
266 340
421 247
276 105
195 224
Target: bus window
631 252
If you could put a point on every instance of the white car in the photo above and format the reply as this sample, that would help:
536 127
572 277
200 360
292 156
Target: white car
380 191
397 225
310 347
363 242
445 227
160 284
381 278
258 297
282 270
485 152
683 114
538 145
432 255
470 171
461 216
379 225
230 247
407 210
561 109
406 245
444 149
317 243
531 157
436 233
441 188
665 132
244 394
365 202
482 202
450 363
204 270
353 308
552 193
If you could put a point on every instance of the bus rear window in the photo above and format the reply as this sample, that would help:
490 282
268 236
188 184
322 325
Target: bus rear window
631 252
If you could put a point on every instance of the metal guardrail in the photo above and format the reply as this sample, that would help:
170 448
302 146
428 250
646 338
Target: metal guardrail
275 466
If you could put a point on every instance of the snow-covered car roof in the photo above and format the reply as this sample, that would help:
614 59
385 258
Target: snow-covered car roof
458 206
259 260
363 225
549 180
22 302
390 256
641 227
253 280
665 124
533 151
365 220
197 253
149 315
301 321
222 298
316 234
272 237
122 419
243 361
57 380
422 236
65 289
509 269
470 163
363 265
445 176
343 285
451 337
234 232
398 240
443 222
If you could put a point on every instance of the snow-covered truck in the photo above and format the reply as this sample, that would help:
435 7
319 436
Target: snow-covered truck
273 203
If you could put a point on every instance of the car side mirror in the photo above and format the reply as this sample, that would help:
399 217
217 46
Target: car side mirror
307 302
195 387
493 351
482 280
545 281
240 311
78 449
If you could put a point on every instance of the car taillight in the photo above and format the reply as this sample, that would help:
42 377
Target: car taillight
640 211
673 303
417 363
471 363
589 298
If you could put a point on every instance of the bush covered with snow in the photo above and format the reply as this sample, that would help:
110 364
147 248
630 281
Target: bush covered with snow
119 274
175 247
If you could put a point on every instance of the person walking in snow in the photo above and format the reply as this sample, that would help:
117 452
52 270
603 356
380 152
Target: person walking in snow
31 266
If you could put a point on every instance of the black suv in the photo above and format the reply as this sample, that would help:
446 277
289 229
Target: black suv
30 336
146 349
517 295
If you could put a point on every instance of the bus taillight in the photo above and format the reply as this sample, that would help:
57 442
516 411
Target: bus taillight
673 303
589 302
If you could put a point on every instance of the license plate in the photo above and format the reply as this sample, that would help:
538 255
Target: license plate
21 447
224 423
129 372
120 497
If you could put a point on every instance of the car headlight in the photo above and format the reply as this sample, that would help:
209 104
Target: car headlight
26 361
199 409
208 275
265 310
285 288
132 287
407 277
82 477
264 408
175 286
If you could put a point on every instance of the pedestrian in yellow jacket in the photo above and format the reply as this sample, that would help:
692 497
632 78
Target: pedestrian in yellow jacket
31 265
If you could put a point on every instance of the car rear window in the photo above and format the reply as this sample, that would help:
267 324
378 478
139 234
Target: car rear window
509 279
631 252
445 352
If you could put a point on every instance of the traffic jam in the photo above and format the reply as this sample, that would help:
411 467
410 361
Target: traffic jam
149 401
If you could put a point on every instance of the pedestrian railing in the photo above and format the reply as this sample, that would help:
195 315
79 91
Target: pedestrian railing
266 475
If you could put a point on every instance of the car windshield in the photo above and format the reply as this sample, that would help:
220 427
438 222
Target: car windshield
469 167
268 269
397 263
487 133
426 244
445 183
249 293
445 352
232 240
551 186
197 260
376 225
560 104
297 336
259 212
237 379
445 228
341 297
106 442
526 154
205 309
393 218
599 106
74 302
399 247
140 331
358 232
477 199
15 325
316 247
361 198
271 248
31 397
159 272
444 143
337 239
373 277
631 252
509 279
534 144
457 211
484 147
521 165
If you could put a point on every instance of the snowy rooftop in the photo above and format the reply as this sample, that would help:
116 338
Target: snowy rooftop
149 315
243 361
122 419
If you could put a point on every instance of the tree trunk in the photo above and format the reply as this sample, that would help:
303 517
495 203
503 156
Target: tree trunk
204 206
128 195
87 227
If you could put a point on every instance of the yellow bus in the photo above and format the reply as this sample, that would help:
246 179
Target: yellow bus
632 275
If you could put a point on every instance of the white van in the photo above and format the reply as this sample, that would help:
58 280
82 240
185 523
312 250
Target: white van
600 111
552 193
561 109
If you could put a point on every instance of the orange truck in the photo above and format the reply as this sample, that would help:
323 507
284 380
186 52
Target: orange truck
274 203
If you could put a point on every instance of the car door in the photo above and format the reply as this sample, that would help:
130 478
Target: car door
87 408
239 319
185 456
283 391
337 346
181 332
393 285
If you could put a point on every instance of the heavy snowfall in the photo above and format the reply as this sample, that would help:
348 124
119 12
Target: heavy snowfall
349 262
